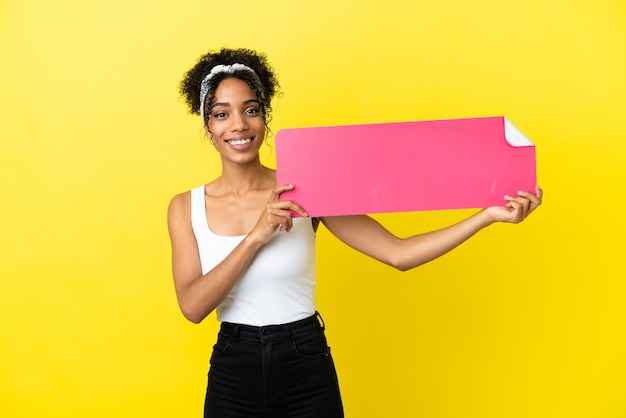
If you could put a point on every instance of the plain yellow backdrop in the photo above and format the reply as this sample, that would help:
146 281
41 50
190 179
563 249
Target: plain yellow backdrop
522 321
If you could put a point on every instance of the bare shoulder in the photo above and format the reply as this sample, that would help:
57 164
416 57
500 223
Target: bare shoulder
179 208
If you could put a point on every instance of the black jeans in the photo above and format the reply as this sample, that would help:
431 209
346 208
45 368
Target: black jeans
273 371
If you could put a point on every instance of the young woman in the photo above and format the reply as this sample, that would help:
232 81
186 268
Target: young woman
236 249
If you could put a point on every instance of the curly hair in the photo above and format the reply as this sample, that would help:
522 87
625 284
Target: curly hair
191 82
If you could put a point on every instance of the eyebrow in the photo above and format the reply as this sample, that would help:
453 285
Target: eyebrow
246 102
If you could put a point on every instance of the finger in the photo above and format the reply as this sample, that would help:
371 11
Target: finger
286 204
276 191
533 200
527 202
516 210
281 219
522 199
285 222
538 198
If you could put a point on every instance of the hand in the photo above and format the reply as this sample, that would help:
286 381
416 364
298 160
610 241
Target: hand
276 215
517 208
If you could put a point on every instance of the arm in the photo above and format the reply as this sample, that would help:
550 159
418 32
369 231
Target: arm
198 295
369 237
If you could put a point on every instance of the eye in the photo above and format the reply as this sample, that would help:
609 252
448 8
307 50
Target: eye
252 111
219 115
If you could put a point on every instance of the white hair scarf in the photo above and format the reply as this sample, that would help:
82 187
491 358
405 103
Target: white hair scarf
230 69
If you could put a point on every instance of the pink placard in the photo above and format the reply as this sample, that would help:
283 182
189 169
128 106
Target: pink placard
405 166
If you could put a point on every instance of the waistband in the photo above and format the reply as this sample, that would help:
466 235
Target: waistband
272 332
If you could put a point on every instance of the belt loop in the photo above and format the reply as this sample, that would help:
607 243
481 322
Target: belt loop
320 320
236 334
288 331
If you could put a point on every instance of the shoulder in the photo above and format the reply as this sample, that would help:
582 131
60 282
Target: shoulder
179 207
181 199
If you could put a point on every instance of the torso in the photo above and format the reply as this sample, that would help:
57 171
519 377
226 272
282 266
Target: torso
278 286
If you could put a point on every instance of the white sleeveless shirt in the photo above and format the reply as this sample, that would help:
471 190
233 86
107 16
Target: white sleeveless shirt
279 284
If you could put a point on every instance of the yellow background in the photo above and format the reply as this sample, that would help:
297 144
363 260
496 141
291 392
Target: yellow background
522 321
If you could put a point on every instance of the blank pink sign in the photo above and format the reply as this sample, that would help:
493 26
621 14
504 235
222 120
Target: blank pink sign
407 166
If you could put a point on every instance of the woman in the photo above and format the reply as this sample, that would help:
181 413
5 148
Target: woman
236 249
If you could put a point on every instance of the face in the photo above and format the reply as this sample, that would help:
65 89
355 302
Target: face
236 125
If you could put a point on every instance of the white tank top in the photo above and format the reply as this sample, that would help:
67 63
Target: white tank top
279 284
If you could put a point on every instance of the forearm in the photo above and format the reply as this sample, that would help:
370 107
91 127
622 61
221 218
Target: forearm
366 235
419 249
198 298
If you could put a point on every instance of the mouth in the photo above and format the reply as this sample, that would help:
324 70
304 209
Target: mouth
243 141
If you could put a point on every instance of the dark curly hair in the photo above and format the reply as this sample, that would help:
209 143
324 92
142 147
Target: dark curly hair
190 84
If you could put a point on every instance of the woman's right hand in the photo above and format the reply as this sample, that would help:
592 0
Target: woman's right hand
276 215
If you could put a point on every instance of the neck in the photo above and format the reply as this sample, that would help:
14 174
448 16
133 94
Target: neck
240 178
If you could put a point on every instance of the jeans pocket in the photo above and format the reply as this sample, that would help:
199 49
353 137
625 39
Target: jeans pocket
311 344
223 342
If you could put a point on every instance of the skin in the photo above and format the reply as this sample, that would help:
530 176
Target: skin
249 190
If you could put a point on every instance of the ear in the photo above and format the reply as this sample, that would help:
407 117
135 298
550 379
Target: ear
208 132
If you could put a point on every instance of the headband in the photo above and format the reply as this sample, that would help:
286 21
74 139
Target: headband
229 69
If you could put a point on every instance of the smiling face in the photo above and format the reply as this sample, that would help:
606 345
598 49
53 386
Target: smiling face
236 124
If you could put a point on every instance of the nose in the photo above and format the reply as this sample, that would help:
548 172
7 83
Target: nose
237 122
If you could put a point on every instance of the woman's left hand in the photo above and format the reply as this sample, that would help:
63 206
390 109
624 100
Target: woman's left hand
517 208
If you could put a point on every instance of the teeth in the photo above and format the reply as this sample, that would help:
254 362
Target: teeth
240 141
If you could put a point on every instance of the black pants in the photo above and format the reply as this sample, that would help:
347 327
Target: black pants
273 371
